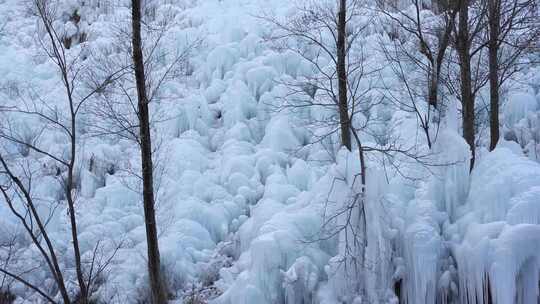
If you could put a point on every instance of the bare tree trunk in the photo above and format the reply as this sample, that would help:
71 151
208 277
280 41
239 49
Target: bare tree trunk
361 203
433 87
467 97
68 187
33 224
345 122
59 55
71 207
493 49
437 62
157 287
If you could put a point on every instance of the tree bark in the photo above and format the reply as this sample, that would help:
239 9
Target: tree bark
83 288
69 186
493 50
433 86
341 68
467 97
437 62
157 286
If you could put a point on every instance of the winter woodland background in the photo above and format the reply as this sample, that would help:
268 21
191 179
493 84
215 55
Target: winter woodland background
317 151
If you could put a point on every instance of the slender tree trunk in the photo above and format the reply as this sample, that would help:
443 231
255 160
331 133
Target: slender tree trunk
433 85
83 299
493 49
467 97
444 41
425 127
157 286
83 288
341 68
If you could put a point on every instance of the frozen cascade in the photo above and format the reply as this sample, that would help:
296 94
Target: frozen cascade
243 199
498 255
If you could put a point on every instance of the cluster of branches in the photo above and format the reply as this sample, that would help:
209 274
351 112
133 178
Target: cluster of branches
430 44
473 34
17 179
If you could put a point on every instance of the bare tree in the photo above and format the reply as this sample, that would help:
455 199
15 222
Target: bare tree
11 191
17 181
472 75
506 30
327 37
159 293
329 29
513 30
432 40
124 111
494 15
463 47
313 33
426 52
341 69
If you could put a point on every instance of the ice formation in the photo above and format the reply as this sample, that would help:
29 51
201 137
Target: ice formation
247 207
